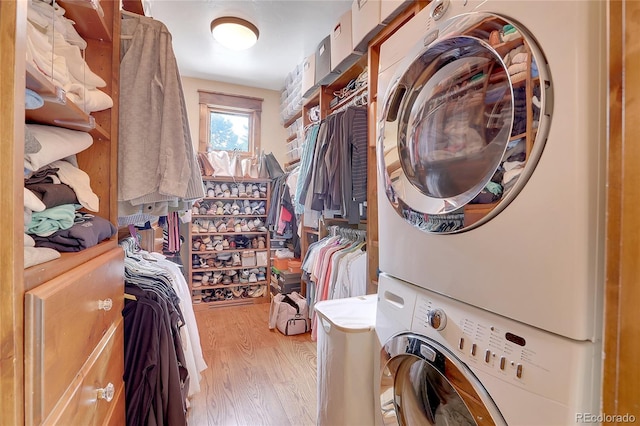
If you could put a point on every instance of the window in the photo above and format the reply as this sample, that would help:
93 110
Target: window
229 123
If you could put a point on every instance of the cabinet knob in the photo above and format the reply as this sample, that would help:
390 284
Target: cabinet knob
107 392
105 304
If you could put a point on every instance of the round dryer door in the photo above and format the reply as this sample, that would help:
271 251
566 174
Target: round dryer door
464 123
422 383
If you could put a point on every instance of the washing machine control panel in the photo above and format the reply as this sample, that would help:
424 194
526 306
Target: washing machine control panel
511 351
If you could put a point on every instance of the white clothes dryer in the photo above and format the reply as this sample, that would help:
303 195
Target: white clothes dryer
491 137
444 362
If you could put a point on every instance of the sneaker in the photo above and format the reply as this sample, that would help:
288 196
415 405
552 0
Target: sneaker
242 190
253 278
234 191
236 259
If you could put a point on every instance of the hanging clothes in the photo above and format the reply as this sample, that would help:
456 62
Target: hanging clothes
334 164
157 167
335 267
162 351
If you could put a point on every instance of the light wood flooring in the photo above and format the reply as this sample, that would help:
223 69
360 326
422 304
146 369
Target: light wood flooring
255 376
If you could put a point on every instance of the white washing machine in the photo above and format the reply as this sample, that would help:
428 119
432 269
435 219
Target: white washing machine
491 138
447 363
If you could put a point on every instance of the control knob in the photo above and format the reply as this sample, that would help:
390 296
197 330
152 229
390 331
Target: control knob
437 318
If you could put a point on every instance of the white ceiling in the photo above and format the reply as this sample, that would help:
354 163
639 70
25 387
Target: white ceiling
290 30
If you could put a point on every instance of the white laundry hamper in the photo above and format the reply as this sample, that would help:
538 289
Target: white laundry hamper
346 346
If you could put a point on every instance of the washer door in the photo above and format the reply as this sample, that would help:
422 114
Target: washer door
463 123
422 383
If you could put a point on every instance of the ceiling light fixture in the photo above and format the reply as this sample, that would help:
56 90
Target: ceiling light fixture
234 33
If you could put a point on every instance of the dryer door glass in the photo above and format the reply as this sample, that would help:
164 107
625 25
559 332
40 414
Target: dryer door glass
460 125
422 383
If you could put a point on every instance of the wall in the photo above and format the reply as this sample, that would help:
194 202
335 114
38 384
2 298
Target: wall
273 137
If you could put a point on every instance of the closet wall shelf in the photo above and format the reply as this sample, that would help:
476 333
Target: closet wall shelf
197 216
232 302
291 163
235 198
233 285
89 21
349 98
229 180
57 109
290 121
203 295
238 250
38 274
195 234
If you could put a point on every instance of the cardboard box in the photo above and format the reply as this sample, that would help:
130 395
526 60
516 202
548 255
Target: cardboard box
365 23
309 75
341 44
389 9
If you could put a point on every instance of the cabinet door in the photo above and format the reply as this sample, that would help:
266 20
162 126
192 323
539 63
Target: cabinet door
65 320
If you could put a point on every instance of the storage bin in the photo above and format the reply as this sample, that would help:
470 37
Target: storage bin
365 23
341 45
248 258
280 264
345 361
261 258
278 243
389 9
309 75
294 265
324 75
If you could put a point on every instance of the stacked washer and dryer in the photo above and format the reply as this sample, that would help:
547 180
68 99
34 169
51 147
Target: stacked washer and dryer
491 198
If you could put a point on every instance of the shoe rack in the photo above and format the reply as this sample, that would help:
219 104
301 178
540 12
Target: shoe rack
229 243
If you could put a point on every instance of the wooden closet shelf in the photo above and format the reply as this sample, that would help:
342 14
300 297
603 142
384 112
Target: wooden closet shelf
290 121
38 274
89 22
58 110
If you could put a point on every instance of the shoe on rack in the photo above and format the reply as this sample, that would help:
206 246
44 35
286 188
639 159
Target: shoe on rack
253 278
234 191
242 190
236 259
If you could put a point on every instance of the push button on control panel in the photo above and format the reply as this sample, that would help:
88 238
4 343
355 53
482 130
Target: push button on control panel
487 356
474 347
503 360
519 371
461 343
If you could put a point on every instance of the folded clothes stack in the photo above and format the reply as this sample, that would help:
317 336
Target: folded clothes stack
55 49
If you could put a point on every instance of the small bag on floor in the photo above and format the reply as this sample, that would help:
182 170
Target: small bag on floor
289 313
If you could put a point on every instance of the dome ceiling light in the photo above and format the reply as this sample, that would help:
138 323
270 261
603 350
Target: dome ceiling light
234 33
